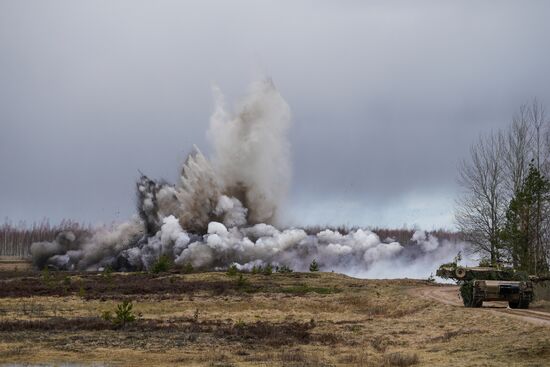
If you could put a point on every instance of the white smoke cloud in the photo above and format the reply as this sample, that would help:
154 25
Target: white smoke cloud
251 151
224 209
427 241
232 211
245 180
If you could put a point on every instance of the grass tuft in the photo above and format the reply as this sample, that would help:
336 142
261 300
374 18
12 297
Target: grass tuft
401 359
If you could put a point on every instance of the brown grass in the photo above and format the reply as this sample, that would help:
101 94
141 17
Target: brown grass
14 265
365 323
401 359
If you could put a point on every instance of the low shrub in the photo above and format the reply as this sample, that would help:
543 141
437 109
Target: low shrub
162 265
124 313
313 267
241 281
188 268
268 270
81 292
233 270
380 343
284 269
401 359
46 276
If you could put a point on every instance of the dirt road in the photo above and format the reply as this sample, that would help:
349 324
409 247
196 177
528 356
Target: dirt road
449 295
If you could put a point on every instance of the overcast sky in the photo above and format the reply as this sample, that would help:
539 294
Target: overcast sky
386 97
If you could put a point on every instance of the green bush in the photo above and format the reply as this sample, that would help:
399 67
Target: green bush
268 270
108 275
232 271
188 268
124 313
284 269
46 276
313 266
241 281
467 293
162 265
81 291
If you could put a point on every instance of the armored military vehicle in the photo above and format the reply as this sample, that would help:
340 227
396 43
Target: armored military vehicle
479 284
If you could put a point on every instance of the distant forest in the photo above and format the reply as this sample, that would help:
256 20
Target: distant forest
16 238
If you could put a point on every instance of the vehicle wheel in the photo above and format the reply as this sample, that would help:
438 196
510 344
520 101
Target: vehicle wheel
460 273
513 304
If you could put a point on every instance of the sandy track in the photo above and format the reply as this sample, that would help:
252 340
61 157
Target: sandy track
449 295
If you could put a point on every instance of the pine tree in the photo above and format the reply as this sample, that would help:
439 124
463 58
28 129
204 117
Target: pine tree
314 266
521 233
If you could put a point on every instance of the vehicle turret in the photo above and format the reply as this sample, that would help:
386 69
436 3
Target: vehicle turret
461 273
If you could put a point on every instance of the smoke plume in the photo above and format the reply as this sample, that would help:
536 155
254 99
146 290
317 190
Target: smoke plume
224 211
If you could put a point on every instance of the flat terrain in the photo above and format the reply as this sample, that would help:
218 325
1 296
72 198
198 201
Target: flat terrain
12 263
293 319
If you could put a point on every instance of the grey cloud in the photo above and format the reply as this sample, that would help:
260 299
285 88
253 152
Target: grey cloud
386 96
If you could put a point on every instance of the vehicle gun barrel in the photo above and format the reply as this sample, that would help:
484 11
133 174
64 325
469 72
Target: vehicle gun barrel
470 273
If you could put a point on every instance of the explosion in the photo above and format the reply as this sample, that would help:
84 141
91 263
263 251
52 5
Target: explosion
225 210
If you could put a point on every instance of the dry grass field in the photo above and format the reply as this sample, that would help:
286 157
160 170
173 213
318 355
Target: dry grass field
212 319
13 263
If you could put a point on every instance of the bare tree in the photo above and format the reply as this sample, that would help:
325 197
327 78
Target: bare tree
480 210
545 169
517 148
504 175
517 151
525 143
537 119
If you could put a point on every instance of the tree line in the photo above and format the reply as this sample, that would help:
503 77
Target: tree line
504 208
16 238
